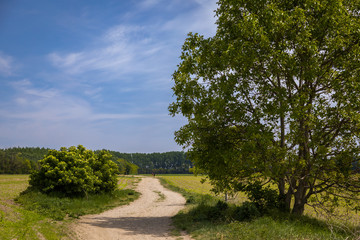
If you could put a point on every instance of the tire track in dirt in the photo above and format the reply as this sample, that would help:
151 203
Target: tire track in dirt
148 217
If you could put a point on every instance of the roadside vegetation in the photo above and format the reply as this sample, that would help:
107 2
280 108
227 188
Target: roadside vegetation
208 217
35 215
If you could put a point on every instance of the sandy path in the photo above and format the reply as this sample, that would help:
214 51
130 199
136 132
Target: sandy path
148 217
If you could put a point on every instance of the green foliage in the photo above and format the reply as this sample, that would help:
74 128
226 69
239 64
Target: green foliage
15 163
275 95
147 163
126 168
247 211
159 163
75 172
264 198
207 218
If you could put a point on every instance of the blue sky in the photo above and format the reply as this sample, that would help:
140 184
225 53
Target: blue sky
96 73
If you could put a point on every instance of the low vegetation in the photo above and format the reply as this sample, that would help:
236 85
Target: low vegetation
60 208
35 215
207 217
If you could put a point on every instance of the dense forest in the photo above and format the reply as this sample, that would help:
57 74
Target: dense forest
20 160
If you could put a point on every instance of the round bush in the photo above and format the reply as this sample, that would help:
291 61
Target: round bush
75 171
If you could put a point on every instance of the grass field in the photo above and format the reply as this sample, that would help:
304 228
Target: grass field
18 223
193 184
270 226
127 182
35 217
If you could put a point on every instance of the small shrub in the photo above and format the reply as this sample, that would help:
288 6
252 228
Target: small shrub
264 198
247 211
218 211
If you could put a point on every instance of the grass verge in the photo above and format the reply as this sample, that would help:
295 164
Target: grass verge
206 218
60 208
38 216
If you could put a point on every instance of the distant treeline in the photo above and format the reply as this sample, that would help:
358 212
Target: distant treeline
159 163
20 160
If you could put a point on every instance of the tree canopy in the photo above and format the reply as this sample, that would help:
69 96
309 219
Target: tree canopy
274 97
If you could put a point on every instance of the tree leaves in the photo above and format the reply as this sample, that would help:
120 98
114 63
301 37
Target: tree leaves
75 171
275 93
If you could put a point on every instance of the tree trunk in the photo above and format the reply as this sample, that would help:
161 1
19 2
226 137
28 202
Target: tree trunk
284 198
300 199
298 208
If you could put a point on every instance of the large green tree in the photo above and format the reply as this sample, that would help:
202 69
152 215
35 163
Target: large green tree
275 96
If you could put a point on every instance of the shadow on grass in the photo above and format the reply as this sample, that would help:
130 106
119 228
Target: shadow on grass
201 222
203 219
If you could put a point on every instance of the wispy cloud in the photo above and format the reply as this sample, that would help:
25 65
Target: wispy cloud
56 119
201 20
140 49
106 82
148 3
6 64
40 104
121 49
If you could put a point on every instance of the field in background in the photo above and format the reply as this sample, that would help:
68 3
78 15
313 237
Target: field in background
193 183
16 222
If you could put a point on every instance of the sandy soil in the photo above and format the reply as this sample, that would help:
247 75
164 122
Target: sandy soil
149 217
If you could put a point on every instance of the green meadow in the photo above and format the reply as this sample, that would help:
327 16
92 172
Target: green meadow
32 215
203 219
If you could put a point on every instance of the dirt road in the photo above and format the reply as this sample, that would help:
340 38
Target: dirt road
149 217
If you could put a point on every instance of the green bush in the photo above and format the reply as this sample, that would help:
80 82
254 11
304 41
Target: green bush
247 211
263 197
75 171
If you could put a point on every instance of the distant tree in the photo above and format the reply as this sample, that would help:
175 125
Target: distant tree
126 167
14 163
275 96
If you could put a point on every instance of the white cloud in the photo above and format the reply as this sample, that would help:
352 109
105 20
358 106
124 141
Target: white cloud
122 49
44 105
6 64
148 3
40 116
201 20
142 49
